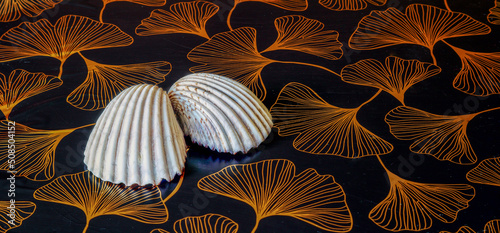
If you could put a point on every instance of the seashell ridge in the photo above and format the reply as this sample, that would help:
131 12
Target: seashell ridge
137 139
220 113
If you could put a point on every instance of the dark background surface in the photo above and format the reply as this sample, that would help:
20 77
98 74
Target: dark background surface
364 180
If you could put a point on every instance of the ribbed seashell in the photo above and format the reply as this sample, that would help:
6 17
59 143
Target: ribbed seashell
220 113
137 139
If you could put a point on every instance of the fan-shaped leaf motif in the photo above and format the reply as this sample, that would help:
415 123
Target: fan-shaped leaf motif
413 206
271 187
22 210
70 34
323 128
494 16
21 85
183 17
487 172
306 35
290 5
463 229
395 77
233 54
96 198
34 150
480 73
443 137
209 223
104 82
141 2
350 5
11 10
492 226
423 25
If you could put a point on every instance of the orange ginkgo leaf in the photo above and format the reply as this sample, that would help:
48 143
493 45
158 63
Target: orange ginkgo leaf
21 210
413 206
443 137
494 16
487 172
70 34
96 198
11 10
272 188
104 82
183 17
480 73
34 150
492 226
233 54
394 77
423 25
350 5
463 229
21 85
296 32
209 223
323 128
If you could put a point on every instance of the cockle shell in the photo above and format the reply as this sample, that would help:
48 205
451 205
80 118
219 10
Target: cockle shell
137 139
220 113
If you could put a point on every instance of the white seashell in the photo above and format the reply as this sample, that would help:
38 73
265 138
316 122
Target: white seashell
137 139
220 113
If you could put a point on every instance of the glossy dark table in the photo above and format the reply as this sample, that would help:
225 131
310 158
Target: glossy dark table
386 114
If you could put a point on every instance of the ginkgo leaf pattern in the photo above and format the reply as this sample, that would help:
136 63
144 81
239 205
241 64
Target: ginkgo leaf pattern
209 223
104 82
463 229
492 226
480 73
443 137
96 198
413 206
34 150
271 187
183 17
394 77
306 35
323 128
333 47
494 16
11 10
70 34
423 25
233 54
350 5
487 172
20 85
23 210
